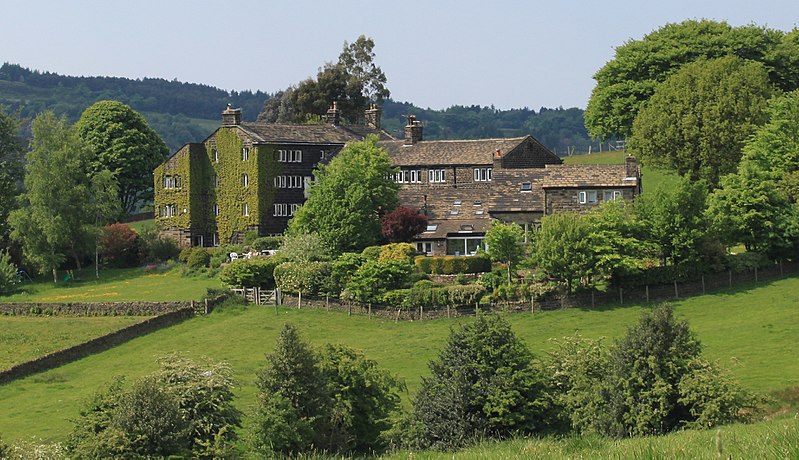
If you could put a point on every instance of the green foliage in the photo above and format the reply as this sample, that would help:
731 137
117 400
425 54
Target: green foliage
343 268
308 278
617 240
371 252
625 84
119 246
8 273
562 247
484 383
253 272
10 168
697 120
364 397
305 247
452 265
348 197
714 397
293 397
62 203
397 251
159 249
265 242
195 258
504 243
374 278
124 144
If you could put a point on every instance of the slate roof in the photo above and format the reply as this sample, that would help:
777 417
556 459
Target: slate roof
587 176
451 226
507 194
445 202
308 134
455 152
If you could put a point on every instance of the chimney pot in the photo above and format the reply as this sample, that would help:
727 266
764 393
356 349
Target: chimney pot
231 116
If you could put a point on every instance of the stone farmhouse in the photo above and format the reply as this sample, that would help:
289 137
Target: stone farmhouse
251 177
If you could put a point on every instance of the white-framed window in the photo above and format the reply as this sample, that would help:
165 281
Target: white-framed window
415 176
430 228
478 212
172 181
424 247
401 177
289 156
290 181
216 240
169 210
527 187
457 203
454 212
482 174
245 180
436 175
215 153
281 209
587 196
611 195
245 153
216 209
216 181
245 209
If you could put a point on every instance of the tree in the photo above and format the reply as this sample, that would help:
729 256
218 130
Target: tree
402 224
119 245
61 202
349 196
304 248
697 121
10 168
504 243
617 239
8 273
374 278
483 383
625 83
674 220
561 247
124 144
293 400
353 83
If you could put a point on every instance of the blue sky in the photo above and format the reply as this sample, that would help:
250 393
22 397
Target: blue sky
434 53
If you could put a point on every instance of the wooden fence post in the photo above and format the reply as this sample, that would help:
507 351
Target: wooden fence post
448 315
755 273
206 307
349 309
370 310
647 293
396 318
676 293
593 302
327 302
421 312
703 284
299 300
730 278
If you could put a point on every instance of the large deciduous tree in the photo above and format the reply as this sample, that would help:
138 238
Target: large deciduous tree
348 197
63 205
626 82
402 224
124 144
10 168
353 83
697 121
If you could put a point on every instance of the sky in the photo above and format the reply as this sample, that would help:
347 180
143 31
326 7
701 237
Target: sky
436 54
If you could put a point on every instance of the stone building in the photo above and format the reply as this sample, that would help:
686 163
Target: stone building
246 177
251 177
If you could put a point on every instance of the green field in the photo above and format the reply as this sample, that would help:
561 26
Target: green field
117 285
750 330
651 178
23 338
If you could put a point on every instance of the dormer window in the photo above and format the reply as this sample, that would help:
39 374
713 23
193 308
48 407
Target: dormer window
454 212
431 228
457 203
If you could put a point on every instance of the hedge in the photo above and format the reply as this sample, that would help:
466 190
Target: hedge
452 265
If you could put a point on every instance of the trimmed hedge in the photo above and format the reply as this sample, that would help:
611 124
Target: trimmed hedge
452 265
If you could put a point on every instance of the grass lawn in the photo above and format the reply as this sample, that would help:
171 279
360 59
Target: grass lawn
751 330
141 225
23 338
117 285
651 178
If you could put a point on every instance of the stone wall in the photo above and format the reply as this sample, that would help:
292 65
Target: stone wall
93 308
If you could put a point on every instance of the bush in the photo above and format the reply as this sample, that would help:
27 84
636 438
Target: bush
343 268
266 243
461 295
397 251
746 261
371 252
310 278
374 278
8 274
161 249
306 247
483 384
255 272
713 397
452 265
119 246
195 258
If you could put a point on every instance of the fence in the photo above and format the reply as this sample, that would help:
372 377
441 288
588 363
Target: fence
586 299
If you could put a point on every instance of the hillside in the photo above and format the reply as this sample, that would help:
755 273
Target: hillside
188 112
748 330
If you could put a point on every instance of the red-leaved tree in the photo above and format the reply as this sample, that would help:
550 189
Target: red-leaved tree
402 224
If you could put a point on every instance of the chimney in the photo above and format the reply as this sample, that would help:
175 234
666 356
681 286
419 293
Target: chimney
631 167
332 115
231 116
372 116
413 131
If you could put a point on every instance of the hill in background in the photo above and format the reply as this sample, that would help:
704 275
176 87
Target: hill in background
188 112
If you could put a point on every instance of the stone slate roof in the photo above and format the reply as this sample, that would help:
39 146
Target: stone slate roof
450 226
457 152
507 194
446 202
587 176
309 134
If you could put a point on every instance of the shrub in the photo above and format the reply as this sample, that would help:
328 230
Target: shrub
306 247
746 261
483 384
161 249
198 259
402 224
371 252
255 272
713 397
309 278
468 294
343 268
266 243
398 298
452 265
375 278
8 273
119 246
397 251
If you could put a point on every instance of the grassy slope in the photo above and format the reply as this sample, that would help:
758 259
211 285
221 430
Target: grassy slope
748 330
651 178
117 285
24 338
